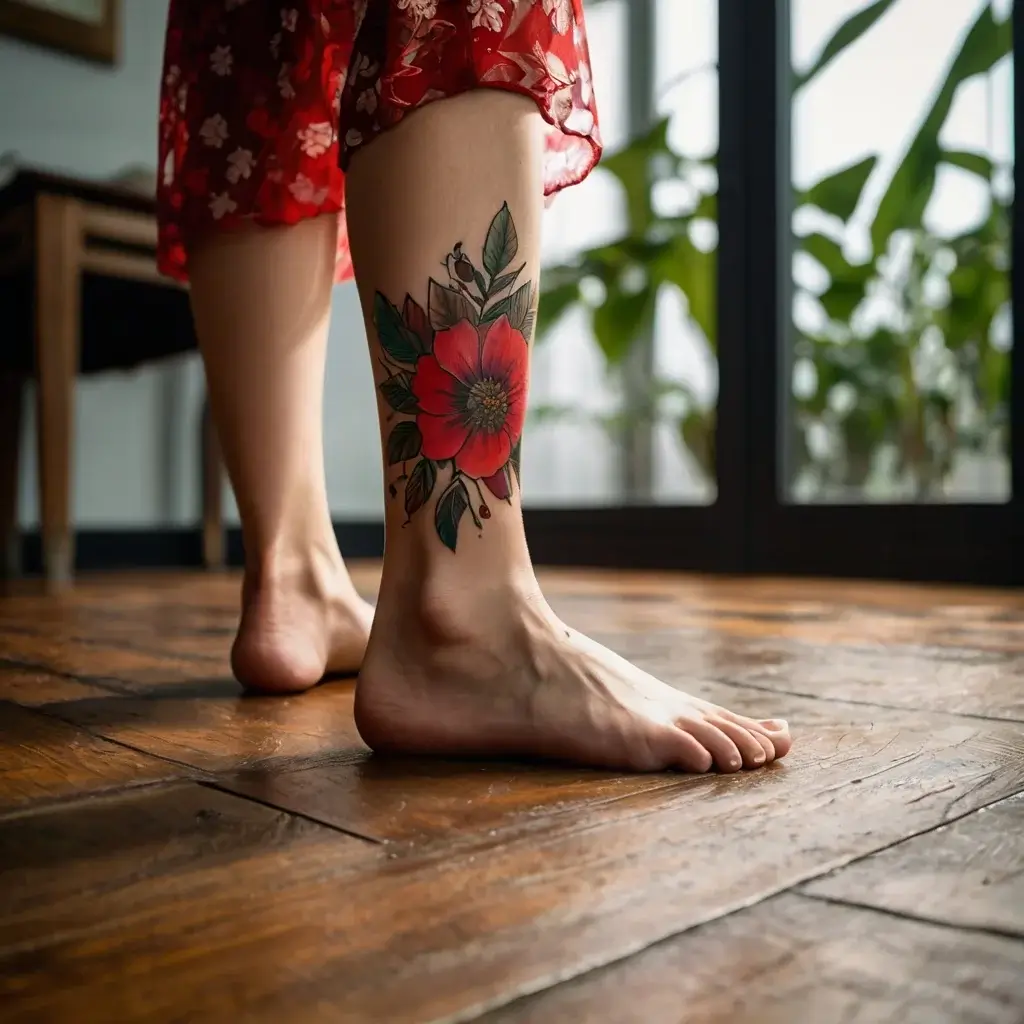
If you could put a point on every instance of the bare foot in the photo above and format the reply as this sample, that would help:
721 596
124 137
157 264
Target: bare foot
505 677
299 625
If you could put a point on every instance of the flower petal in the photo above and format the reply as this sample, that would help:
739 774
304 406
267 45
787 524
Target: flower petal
457 349
498 484
443 436
483 454
516 415
504 353
435 389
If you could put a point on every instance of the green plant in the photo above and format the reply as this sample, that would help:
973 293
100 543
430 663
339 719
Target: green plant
921 383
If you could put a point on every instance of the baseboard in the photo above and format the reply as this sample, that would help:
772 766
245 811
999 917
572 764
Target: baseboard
178 548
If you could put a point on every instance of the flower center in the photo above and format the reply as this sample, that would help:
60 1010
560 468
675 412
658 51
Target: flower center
487 405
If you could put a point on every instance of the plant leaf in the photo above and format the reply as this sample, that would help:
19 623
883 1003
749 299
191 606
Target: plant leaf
839 193
520 305
505 281
555 302
515 457
398 394
848 33
450 510
910 189
448 307
620 321
841 298
419 486
400 343
977 163
829 253
502 243
415 317
403 442
694 272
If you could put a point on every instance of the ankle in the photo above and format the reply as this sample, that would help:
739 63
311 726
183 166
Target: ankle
315 568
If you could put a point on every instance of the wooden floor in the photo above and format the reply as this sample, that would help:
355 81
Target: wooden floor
170 851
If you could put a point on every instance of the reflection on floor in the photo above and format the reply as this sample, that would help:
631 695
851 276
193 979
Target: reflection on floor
171 851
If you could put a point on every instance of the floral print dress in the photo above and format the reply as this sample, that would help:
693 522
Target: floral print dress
263 103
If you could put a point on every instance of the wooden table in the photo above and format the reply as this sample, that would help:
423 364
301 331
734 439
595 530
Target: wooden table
81 293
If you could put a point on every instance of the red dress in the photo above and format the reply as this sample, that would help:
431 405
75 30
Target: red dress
262 104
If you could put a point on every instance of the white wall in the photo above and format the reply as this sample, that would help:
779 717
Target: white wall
136 435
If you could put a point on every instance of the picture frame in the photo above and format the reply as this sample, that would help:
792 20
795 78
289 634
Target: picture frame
90 29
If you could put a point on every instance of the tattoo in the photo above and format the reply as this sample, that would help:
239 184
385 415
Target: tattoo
460 368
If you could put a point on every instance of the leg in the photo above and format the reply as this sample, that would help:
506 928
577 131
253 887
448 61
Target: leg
466 657
58 304
262 301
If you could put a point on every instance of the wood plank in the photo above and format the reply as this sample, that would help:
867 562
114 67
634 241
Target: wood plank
467 928
944 679
33 687
60 867
383 799
969 873
416 800
43 760
211 726
787 960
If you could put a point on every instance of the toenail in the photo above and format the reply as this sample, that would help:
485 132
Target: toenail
734 762
777 724
759 758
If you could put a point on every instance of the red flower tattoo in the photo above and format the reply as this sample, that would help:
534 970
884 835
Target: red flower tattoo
460 368
471 393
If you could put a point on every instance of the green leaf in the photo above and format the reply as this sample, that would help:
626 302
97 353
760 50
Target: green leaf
555 302
910 189
450 509
480 282
839 193
515 457
448 307
632 166
695 273
520 306
419 486
841 299
403 442
829 254
502 243
977 163
498 285
397 392
848 33
621 320
401 344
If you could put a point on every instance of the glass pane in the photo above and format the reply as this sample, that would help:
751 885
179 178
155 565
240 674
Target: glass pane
624 374
902 170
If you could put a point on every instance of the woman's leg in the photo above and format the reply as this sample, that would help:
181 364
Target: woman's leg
262 299
465 655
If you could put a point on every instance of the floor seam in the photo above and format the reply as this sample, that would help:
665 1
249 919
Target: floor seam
793 889
838 901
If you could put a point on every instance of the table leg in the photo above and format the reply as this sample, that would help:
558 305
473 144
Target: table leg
57 331
12 388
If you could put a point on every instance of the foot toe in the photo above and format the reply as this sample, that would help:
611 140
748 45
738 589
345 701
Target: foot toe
724 752
689 755
753 752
